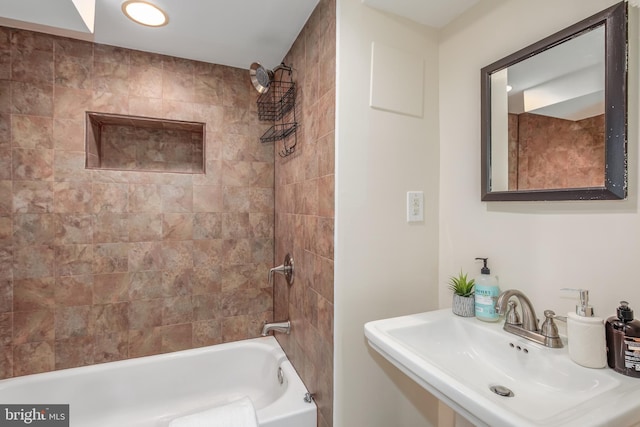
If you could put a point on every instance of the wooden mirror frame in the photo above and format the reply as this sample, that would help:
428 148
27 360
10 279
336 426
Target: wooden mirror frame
614 19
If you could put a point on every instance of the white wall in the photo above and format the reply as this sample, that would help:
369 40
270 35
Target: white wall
384 267
538 247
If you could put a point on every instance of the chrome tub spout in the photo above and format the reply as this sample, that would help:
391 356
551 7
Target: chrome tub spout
276 327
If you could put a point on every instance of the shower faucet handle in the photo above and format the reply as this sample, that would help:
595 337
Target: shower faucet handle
286 269
279 269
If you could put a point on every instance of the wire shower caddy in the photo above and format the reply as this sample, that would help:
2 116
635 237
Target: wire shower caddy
278 105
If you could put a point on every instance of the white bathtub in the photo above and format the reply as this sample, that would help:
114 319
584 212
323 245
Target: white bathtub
151 391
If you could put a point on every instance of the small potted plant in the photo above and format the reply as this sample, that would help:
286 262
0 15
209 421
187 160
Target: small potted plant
463 295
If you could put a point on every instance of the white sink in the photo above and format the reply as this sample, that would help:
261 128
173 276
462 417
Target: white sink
459 359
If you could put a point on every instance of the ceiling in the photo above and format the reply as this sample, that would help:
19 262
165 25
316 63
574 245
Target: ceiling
433 13
227 32
565 81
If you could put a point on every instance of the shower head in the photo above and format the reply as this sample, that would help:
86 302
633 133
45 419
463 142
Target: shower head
260 77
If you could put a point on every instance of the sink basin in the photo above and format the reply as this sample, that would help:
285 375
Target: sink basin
460 359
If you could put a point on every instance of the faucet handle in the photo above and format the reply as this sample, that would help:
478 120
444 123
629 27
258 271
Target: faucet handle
279 269
552 314
549 329
286 269
513 318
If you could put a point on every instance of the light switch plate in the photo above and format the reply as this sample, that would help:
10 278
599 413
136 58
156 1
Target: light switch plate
415 206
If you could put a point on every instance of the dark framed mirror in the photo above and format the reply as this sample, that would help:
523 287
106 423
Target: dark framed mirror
554 115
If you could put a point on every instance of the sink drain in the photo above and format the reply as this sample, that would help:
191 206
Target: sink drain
501 391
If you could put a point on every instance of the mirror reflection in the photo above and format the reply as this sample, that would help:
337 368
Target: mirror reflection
548 118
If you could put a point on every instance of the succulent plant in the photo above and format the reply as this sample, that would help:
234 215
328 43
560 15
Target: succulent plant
462 286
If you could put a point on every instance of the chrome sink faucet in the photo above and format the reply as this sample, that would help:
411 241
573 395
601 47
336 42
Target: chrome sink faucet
546 335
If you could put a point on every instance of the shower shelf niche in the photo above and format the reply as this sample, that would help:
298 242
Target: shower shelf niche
278 105
133 143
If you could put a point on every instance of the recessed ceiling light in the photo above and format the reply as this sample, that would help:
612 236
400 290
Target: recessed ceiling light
509 88
145 13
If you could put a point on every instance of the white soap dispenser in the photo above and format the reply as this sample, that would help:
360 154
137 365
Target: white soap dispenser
585 334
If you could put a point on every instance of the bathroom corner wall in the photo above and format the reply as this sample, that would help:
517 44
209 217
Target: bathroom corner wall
101 265
304 209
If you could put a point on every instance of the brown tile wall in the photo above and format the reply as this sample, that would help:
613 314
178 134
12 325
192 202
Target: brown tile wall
557 153
305 211
98 265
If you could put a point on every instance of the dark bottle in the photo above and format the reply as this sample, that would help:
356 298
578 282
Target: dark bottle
623 341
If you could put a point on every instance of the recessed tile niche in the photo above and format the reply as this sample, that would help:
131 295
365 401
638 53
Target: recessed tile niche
143 144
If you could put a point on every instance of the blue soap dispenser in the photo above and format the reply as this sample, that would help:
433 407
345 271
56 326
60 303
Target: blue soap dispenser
486 294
